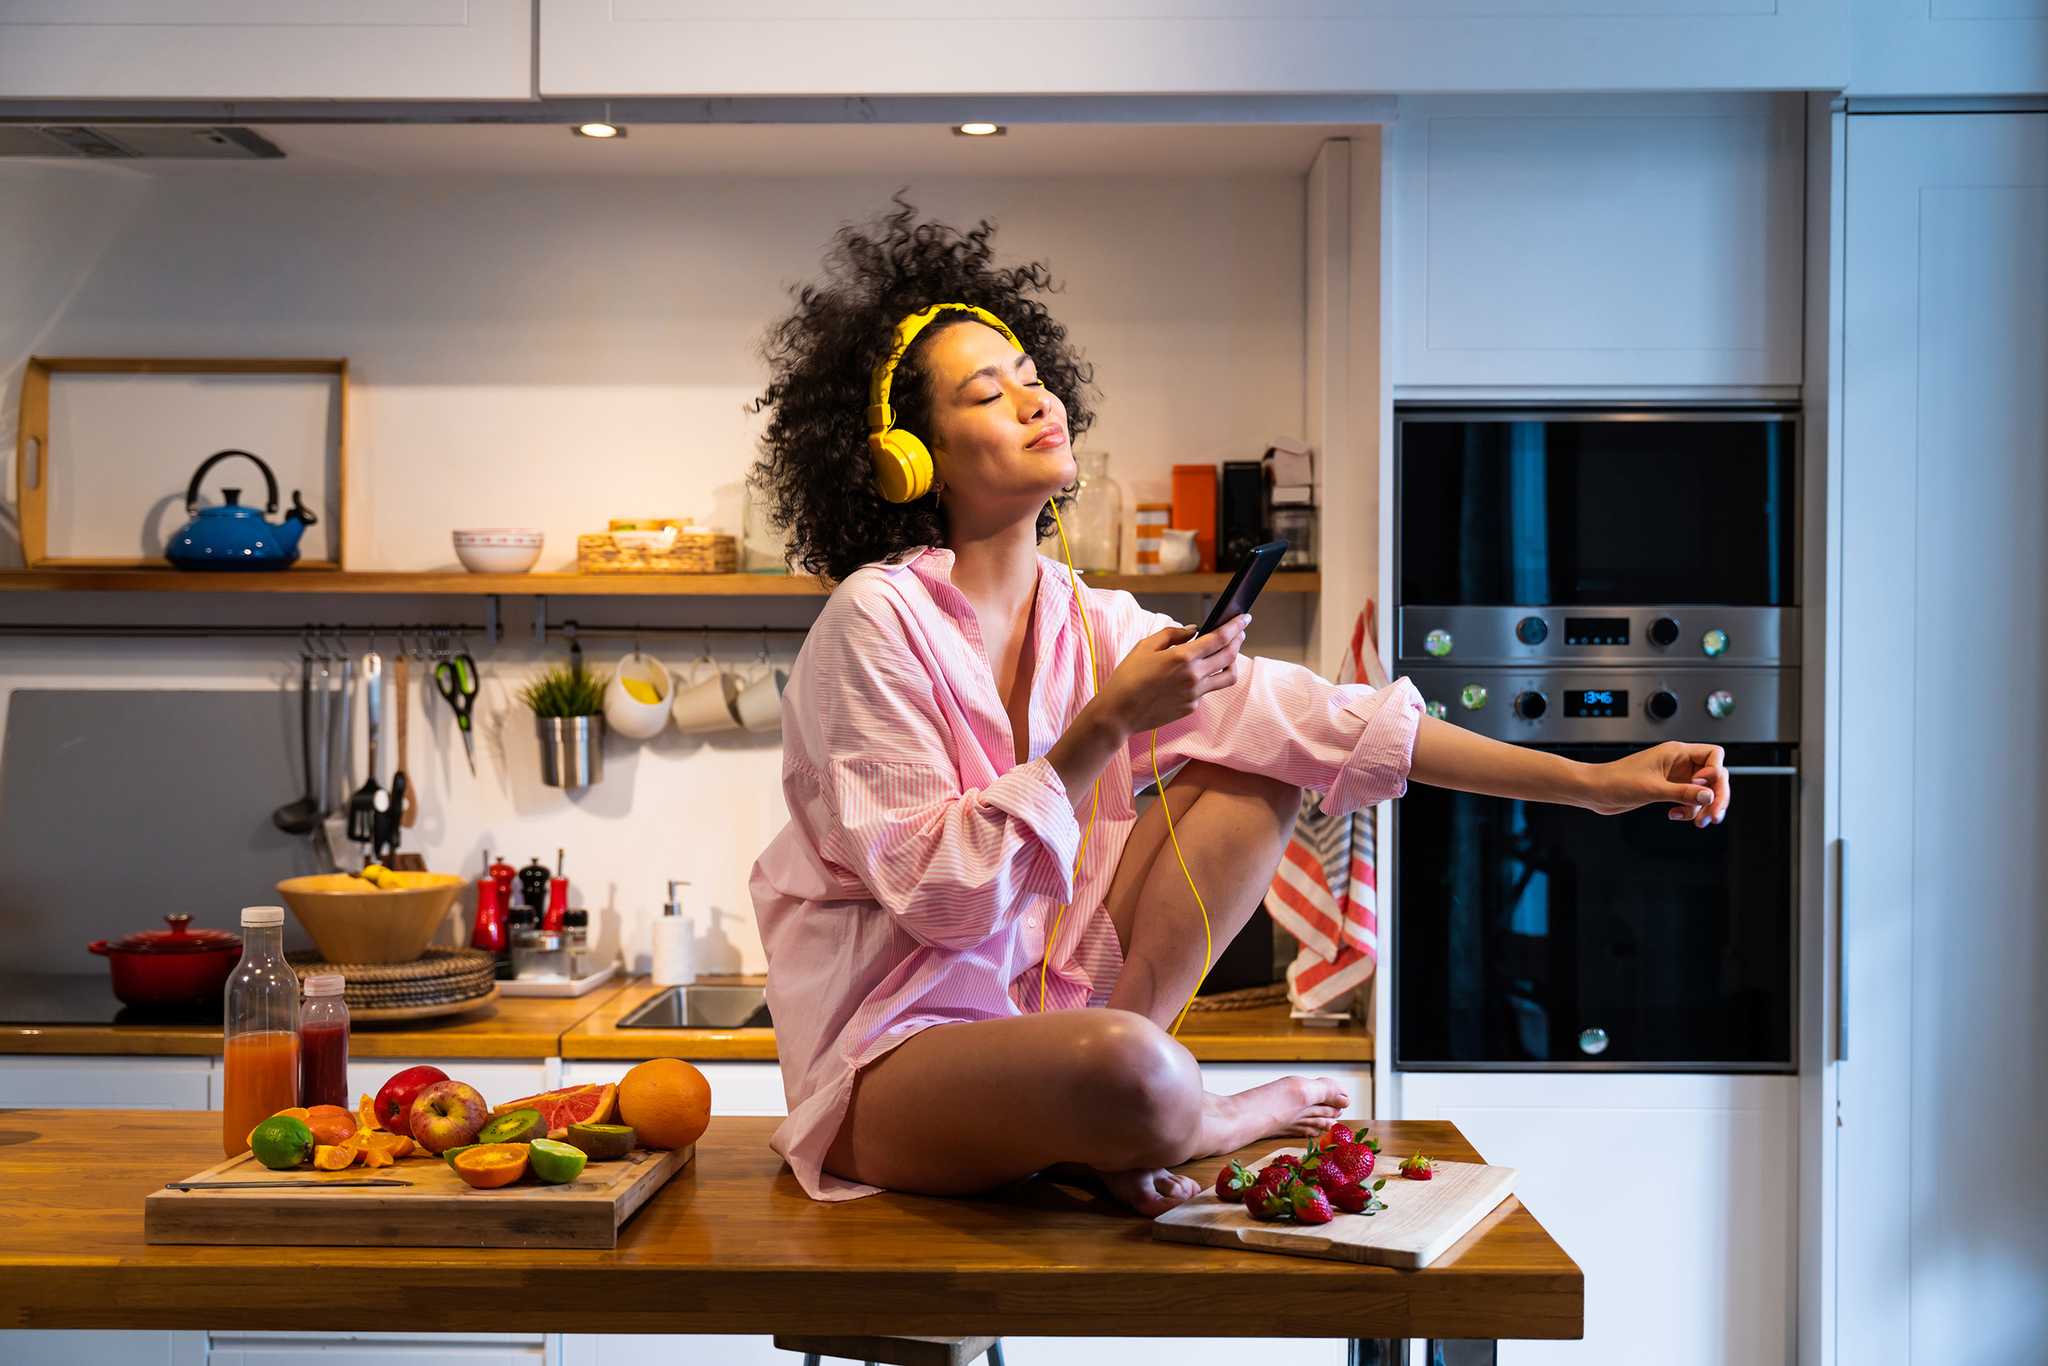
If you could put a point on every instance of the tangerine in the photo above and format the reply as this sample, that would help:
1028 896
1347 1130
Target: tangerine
330 1123
667 1102
487 1166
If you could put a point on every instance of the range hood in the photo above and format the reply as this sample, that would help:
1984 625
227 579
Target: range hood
131 141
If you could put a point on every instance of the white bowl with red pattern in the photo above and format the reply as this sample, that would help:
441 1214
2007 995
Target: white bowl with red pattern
498 550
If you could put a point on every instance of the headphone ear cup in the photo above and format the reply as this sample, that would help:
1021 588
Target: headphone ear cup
903 467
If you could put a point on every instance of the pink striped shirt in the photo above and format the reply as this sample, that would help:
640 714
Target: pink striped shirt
922 865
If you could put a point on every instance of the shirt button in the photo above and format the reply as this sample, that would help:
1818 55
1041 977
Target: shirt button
1032 921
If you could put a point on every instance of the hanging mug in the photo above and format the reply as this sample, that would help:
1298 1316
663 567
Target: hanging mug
636 701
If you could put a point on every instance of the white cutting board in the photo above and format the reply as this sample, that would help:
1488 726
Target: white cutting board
1421 1219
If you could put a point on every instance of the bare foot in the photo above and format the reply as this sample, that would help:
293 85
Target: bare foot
1150 1191
1289 1107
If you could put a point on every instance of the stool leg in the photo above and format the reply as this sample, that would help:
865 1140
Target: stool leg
995 1353
1462 1352
810 1359
1377 1352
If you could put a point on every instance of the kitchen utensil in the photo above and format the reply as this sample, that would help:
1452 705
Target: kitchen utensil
488 933
180 966
370 927
455 679
385 847
299 817
500 550
370 800
235 537
403 794
436 1210
1421 1220
558 895
340 735
278 1185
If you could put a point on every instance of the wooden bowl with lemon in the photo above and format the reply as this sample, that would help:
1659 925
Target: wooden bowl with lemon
636 699
379 917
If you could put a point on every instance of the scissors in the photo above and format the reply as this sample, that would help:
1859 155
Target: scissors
455 680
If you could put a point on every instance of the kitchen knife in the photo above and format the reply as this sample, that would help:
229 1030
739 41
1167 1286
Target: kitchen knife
267 1185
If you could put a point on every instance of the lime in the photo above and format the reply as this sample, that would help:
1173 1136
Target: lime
452 1153
555 1162
602 1141
514 1126
281 1142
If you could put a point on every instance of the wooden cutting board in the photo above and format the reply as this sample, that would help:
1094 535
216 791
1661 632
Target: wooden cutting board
1421 1219
437 1210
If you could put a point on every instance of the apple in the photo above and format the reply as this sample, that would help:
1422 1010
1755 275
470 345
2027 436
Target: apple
447 1115
394 1102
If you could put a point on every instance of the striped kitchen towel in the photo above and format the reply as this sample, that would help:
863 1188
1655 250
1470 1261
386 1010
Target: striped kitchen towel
1325 891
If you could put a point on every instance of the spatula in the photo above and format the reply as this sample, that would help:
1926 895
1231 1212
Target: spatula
370 800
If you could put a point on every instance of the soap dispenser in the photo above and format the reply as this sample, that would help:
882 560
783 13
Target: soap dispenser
672 940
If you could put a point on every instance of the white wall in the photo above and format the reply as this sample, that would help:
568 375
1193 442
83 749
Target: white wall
556 351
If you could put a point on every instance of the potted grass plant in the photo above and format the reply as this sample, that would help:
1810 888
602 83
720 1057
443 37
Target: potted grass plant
568 712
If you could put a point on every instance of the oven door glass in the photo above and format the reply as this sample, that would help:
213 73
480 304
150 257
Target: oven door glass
1529 934
1502 511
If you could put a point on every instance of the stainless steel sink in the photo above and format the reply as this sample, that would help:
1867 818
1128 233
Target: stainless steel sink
698 1006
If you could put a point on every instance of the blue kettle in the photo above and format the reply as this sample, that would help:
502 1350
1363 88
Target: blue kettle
235 537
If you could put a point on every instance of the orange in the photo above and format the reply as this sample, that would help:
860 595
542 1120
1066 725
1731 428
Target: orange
667 1101
333 1157
329 1123
585 1104
489 1165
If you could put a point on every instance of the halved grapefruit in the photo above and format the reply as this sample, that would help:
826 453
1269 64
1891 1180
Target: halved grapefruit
586 1104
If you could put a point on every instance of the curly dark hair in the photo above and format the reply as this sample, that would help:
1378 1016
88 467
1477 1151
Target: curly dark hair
814 474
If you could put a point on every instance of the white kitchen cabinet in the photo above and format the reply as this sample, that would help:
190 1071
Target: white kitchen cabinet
1948 47
737 1088
1171 47
68 1347
499 1080
102 1083
375 1349
1674 1194
1941 1222
266 49
1612 242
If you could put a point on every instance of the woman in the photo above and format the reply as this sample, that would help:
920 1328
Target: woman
950 762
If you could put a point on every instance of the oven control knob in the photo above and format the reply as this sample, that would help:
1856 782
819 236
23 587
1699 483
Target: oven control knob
1472 696
1530 705
1663 706
1532 630
1664 632
1436 709
1437 643
1593 1042
1721 704
1714 643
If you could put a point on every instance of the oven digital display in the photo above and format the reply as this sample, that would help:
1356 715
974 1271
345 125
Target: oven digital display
1596 630
1596 702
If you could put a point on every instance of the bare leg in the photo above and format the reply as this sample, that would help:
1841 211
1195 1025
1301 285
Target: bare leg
1233 828
962 1109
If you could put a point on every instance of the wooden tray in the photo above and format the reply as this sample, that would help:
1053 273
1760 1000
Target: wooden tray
1422 1218
437 1210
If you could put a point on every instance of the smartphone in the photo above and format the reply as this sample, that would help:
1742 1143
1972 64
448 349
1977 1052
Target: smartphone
1245 584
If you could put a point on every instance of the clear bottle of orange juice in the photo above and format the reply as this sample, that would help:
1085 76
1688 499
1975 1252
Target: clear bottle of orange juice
261 1030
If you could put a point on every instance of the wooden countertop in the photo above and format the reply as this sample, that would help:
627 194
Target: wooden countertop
731 1245
1265 1034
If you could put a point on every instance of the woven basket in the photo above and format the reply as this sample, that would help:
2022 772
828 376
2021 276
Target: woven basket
694 552
1244 998
438 977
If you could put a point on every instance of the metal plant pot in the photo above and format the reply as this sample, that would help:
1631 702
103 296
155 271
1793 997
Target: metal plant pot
571 750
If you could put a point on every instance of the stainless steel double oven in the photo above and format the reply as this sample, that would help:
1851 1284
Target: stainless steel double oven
1590 582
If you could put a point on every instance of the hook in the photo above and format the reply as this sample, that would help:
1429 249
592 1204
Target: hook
705 652
766 658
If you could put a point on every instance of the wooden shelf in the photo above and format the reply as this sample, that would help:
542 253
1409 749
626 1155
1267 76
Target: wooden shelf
433 582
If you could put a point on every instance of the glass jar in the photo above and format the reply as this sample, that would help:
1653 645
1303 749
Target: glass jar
323 1043
763 549
1095 527
260 1034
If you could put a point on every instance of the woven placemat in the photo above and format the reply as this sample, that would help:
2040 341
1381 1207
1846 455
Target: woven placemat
434 965
1244 998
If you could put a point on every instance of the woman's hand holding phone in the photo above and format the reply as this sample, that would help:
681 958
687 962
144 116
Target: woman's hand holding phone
1167 672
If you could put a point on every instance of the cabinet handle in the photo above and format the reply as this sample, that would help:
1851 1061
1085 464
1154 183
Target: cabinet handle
1762 770
1841 951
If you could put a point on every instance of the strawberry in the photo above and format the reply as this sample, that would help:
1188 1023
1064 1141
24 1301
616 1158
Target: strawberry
1347 1164
1349 1198
1311 1206
1340 1132
1269 1178
1417 1168
1233 1181
1288 1160
1270 1201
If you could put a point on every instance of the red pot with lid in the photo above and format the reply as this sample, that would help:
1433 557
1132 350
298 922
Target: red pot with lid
180 966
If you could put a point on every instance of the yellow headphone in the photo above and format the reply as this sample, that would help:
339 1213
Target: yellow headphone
903 466
903 473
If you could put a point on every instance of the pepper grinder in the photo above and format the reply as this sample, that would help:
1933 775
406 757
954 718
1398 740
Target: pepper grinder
489 932
558 896
672 940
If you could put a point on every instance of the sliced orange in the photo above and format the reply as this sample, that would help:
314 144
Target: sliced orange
391 1145
490 1165
585 1104
333 1157
366 1113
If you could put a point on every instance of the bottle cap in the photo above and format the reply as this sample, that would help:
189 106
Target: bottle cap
324 984
262 915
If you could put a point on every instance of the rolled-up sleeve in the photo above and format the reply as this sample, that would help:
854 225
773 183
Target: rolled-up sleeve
1353 743
873 765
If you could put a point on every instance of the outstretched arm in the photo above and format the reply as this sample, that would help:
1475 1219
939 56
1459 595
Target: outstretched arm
1692 777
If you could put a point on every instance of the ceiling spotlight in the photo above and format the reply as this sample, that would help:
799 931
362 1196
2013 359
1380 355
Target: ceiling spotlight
979 130
599 130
